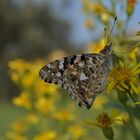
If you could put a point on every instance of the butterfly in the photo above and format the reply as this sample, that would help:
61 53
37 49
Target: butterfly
83 76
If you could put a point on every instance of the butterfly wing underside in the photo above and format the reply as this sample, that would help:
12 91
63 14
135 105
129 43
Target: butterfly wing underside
83 76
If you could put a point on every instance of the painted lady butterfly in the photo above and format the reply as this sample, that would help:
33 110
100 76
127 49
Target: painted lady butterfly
83 76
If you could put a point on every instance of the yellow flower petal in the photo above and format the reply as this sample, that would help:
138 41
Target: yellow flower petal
23 100
110 86
136 72
134 88
47 135
44 105
124 85
120 88
135 68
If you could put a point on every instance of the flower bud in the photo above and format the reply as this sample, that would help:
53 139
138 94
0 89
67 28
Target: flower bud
108 132
130 7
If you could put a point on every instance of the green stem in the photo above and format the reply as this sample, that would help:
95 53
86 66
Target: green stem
133 99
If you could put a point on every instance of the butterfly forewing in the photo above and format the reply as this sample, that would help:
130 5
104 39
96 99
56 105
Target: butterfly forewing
83 76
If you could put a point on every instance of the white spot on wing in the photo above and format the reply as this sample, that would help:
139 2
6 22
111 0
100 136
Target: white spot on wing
45 74
78 58
52 74
49 65
58 74
80 64
61 65
83 77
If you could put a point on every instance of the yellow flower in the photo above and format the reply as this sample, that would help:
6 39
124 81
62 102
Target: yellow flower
64 116
18 65
105 17
15 76
44 105
42 88
15 136
89 23
47 135
19 126
133 54
30 77
86 4
32 118
124 77
23 100
130 6
97 7
17 69
97 47
28 80
76 131
25 72
120 117
106 120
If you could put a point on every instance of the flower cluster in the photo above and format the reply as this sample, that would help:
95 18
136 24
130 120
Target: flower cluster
46 114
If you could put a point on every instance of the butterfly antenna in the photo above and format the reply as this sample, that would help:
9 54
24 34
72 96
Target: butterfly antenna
111 30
